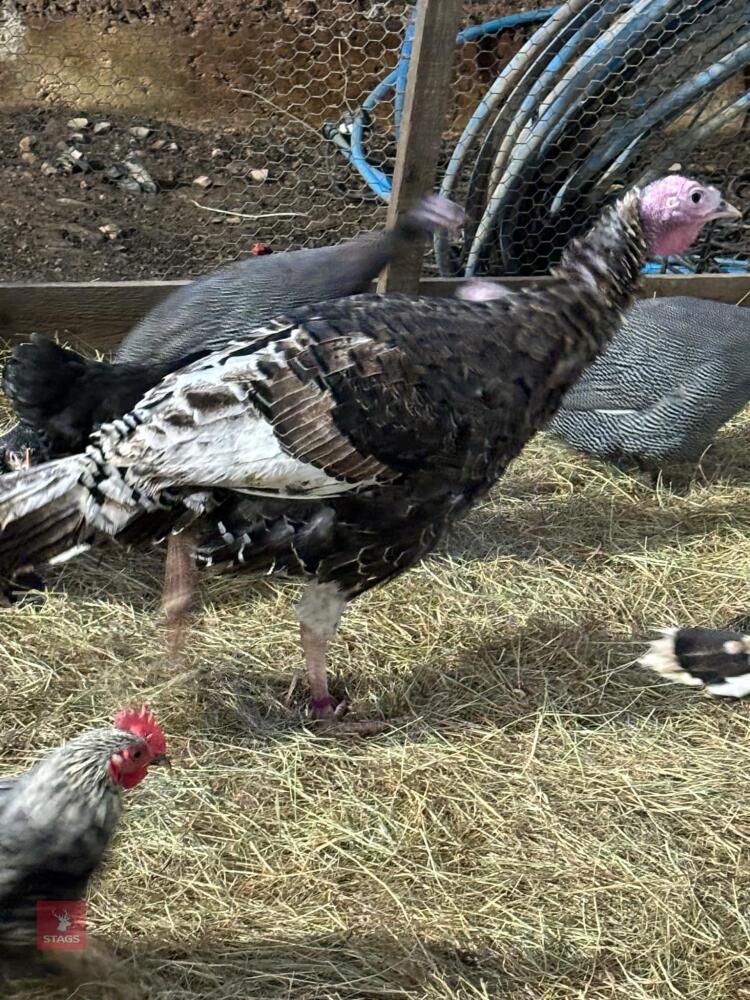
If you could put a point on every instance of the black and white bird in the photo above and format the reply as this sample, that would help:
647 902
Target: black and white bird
57 821
60 397
338 443
675 372
717 660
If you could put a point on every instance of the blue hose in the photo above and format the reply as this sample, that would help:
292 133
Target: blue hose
535 103
376 180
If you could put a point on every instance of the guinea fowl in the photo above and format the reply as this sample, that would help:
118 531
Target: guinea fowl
718 660
362 427
61 396
675 372
57 820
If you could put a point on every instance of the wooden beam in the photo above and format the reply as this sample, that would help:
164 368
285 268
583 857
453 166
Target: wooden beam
97 315
91 314
733 289
425 107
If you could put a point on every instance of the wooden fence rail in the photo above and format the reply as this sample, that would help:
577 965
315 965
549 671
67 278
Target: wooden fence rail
97 315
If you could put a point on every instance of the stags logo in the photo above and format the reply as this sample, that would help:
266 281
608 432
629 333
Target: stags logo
61 925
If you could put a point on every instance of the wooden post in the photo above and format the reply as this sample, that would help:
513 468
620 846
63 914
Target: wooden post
427 93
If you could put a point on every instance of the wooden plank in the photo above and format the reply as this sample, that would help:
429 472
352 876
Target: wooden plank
97 315
425 107
730 288
90 314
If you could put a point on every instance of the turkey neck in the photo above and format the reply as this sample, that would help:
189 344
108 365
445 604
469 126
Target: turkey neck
583 307
561 328
603 269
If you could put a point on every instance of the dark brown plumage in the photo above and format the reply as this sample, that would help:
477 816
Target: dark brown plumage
358 428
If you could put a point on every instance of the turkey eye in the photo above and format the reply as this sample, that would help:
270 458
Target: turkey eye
696 196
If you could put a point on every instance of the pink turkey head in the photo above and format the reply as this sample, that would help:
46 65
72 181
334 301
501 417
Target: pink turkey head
674 209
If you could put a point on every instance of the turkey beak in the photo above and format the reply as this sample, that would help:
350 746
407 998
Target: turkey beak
161 760
726 211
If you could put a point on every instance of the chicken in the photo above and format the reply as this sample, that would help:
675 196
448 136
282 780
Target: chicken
338 443
57 820
717 660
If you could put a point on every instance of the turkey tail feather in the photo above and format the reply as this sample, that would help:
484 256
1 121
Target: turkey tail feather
715 659
42 512
64 396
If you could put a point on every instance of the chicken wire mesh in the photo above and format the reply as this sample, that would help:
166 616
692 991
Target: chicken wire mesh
142 139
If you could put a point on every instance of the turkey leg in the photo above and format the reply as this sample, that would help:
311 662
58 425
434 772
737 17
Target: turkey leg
319 612
179 589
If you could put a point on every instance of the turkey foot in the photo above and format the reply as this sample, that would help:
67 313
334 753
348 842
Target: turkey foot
179 590
319 612
331 718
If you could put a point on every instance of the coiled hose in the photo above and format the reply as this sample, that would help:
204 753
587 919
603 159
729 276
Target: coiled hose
578 113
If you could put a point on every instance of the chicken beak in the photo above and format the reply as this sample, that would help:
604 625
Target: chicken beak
161 760
725 211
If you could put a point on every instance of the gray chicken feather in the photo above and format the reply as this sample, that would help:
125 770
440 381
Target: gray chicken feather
675 372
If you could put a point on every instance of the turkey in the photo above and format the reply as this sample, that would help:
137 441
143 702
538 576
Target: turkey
339 442
57 820
60 396
718 660
676 370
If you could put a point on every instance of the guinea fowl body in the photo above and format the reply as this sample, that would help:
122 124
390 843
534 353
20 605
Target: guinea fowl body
61 396
675 372
209 313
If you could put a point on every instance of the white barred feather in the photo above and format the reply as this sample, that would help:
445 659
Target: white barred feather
188 439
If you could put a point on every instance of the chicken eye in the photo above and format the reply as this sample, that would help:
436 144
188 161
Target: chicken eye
137 754
696 197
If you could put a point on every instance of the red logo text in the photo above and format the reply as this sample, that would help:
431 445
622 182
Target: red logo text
61 925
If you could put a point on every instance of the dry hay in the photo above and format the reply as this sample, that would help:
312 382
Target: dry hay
555 823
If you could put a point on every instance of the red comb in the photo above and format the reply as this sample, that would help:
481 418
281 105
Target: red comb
260 249
142 724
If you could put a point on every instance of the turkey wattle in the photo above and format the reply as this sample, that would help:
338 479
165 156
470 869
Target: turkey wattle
361 428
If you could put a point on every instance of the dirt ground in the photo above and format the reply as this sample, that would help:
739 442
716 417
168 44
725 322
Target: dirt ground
233 15
70 203
79 220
